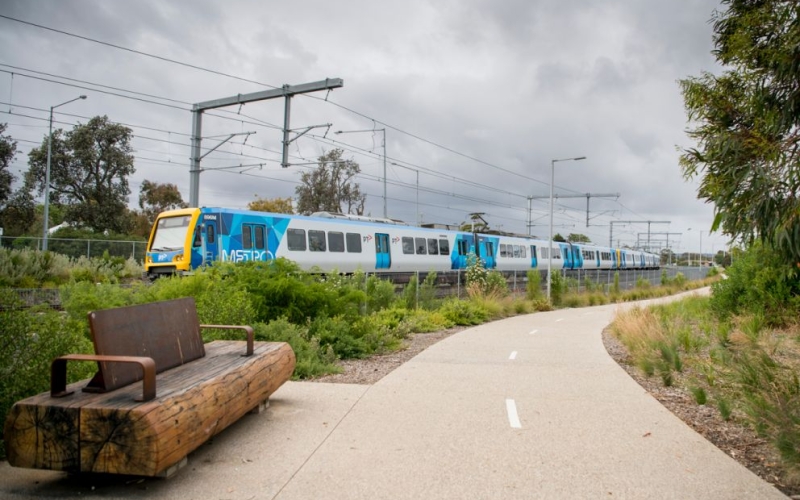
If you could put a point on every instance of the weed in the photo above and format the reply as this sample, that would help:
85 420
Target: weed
700 395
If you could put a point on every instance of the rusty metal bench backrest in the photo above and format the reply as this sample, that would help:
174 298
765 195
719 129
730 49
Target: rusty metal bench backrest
168 332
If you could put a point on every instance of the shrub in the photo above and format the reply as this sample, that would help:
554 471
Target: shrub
427 292
380 293
311 359
557 288
29 341
758 282
533 288
464 312
410 292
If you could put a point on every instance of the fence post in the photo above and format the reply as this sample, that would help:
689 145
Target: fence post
88 249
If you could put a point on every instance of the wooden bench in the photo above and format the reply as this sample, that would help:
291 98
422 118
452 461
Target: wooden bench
159 393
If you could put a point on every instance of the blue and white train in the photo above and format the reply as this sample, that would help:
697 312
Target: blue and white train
183 240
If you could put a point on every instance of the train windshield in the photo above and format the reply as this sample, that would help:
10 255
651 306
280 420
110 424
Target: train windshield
170 233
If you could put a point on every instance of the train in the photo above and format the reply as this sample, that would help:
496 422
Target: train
184 240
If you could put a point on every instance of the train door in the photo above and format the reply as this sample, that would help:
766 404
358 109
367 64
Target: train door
577 257
254 241
383 256
597 256
459 258
210 238
566 256
534 262
488 255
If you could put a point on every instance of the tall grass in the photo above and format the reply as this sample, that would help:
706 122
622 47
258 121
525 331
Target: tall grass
748 371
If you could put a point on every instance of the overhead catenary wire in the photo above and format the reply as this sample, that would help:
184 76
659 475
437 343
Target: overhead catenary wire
266 124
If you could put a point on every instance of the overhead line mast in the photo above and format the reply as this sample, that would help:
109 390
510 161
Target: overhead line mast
287 92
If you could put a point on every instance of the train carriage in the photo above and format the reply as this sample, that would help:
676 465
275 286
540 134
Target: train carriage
183 240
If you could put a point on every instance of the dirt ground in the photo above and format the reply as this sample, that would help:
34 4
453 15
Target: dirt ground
733 438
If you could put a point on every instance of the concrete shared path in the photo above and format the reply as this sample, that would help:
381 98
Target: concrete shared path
528 407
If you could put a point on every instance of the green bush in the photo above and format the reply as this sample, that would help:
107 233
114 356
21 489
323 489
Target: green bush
410 292
29 341
427 292
557 288
758 282
534 287
380 294
312 360
464 312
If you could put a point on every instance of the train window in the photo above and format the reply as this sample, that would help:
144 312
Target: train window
197 242
502 250
462 247
421 246
353 243
260 240
433 246
296 239
444 247
247 237
210 237
316 241
408 245
533 251
516 251
335 242
523 252
556 253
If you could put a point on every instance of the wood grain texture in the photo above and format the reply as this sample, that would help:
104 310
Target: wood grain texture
111 433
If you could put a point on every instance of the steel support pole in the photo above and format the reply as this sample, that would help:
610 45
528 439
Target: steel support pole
550 238
194 163
385 211
46 219
287 111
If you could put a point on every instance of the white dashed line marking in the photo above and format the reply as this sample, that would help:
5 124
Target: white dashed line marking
513 355
533 332
513 419
559 319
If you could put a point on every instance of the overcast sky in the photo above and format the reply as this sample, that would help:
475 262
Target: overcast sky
476 96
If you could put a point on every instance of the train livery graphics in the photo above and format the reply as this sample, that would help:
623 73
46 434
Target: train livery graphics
183 240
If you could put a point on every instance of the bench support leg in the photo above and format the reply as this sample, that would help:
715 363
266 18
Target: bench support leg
261 408
171 471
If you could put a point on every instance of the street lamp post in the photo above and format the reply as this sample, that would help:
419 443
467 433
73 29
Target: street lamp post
550 240
700 257
385 211
47 173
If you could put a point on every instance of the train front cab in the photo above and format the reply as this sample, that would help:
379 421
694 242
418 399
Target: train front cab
169 248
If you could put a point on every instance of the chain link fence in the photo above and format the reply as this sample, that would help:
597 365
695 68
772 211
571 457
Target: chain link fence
74 247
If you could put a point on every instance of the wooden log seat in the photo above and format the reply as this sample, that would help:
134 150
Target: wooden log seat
159 393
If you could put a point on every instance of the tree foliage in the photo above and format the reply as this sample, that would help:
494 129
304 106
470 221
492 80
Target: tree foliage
578 238
272 205
89 173
155 197
8 150
558 237
746 124
330 187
